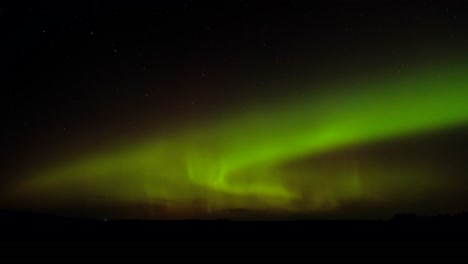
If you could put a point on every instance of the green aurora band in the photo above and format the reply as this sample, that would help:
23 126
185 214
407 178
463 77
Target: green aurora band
240 161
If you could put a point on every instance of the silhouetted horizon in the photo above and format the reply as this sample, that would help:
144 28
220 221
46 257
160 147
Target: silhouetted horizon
25 214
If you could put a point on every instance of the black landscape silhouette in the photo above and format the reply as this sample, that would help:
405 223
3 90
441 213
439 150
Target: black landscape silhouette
404 237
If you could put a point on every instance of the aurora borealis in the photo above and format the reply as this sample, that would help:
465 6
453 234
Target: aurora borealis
354 145
242 156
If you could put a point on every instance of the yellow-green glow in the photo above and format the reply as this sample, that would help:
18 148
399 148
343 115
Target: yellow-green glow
240 161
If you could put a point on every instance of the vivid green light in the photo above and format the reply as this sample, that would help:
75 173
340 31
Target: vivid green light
237 161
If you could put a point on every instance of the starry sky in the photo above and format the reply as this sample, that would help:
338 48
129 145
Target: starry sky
234 109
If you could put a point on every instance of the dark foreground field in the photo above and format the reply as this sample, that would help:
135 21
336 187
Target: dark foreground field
26 236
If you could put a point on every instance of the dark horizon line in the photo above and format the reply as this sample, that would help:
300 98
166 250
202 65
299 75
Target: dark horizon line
402 216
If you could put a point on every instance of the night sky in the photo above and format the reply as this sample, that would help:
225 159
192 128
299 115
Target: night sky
234 109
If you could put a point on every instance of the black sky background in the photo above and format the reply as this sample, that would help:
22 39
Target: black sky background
80 75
